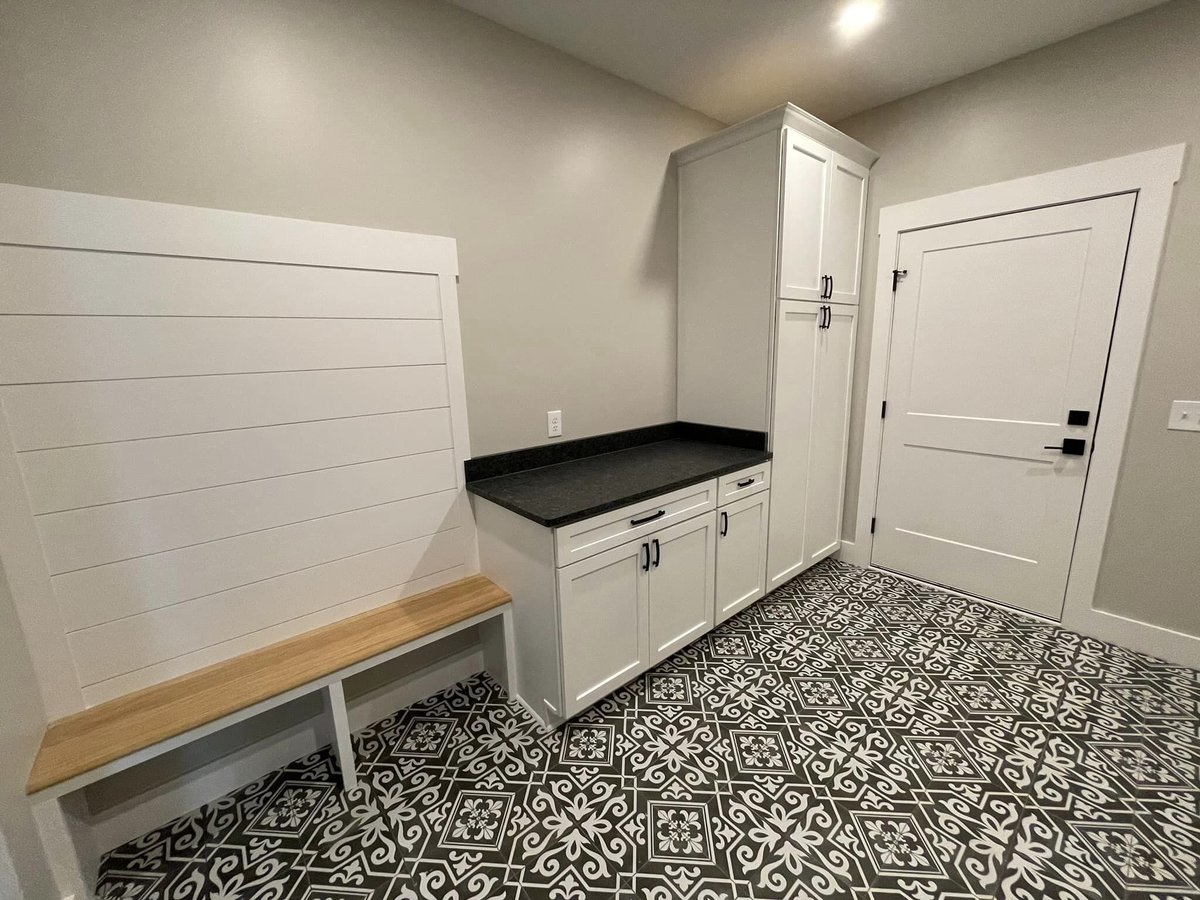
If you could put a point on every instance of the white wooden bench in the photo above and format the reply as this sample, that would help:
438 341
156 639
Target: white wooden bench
97 742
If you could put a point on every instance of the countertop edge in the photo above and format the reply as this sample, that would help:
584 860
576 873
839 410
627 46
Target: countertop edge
625 500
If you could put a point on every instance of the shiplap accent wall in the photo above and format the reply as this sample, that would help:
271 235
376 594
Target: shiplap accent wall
220 430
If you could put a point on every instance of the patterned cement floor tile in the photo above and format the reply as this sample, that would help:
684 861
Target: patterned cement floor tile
853 735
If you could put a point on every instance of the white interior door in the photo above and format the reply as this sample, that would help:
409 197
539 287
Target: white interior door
797 333
828 429
682 572
604 622
1000 329
844 227
741 553
803 218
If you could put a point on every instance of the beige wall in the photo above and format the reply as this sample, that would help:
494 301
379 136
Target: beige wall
401 114
22 721
1133 85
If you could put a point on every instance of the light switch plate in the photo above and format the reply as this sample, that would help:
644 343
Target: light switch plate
1185 416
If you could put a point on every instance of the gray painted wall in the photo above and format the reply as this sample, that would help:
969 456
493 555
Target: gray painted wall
412 115
1129 86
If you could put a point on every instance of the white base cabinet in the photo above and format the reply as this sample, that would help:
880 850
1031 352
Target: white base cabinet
585 627
741 554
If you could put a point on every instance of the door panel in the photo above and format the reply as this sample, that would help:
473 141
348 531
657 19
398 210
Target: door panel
604 622
741 554
1001 327
830 421
806 168
844 228
796 358
682 584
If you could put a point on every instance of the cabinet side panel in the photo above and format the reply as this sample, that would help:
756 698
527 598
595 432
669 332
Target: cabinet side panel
518 555
728 216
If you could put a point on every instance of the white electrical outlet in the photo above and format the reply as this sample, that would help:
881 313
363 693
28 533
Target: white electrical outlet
554 423
1185 416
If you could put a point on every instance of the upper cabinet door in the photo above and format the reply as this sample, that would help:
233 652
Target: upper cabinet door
841 253
807 168
682 583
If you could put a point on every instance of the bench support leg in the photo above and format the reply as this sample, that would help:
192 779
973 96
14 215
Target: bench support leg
339 730
497 639
62 824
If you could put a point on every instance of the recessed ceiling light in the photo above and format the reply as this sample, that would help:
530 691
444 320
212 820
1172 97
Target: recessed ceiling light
858 16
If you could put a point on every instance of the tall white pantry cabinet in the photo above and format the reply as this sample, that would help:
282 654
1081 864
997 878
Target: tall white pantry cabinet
770 248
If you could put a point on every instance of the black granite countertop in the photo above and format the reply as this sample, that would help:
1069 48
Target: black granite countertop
569 491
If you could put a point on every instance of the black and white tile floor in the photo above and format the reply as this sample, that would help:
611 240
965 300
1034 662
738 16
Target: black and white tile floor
851 736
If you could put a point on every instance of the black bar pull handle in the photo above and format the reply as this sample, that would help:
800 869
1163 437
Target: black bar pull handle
657 552
646 561
724 523
650 518
746 483
830 297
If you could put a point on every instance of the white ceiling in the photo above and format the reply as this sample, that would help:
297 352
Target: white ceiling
731 59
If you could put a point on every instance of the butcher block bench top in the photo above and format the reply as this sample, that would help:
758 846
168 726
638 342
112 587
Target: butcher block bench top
86 740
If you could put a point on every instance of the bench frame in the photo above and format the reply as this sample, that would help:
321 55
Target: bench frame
61 812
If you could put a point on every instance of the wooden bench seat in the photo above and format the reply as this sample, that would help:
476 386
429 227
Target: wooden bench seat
85 741
89 745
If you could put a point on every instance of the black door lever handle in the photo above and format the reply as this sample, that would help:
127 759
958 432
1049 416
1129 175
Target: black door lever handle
1069 446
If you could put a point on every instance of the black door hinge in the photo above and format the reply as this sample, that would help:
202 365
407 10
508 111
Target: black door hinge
872 524
883 413
897 274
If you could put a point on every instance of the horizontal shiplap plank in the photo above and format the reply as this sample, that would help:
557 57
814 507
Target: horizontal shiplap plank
36 216
109 473
100 594
52 281
189 662
44 416
85 348
104 534
118 647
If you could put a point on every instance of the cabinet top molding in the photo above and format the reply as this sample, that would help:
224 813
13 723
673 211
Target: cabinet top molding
788 115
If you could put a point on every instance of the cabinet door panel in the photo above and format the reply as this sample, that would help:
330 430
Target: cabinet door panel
843 236
604 624
796 357
741 554
830 420
682 585
806 173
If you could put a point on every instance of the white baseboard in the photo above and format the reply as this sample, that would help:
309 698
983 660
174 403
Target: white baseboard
851 553
137 800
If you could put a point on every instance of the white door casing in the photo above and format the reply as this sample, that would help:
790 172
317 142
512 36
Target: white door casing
741 553
1001 326
682 577
1152 174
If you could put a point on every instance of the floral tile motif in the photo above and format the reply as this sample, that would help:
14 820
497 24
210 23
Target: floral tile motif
668 687
896 844
760 751
478 820
853 735
424 737
589 745
679 832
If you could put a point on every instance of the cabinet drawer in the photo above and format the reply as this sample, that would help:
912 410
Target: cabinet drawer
744 482
611 529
